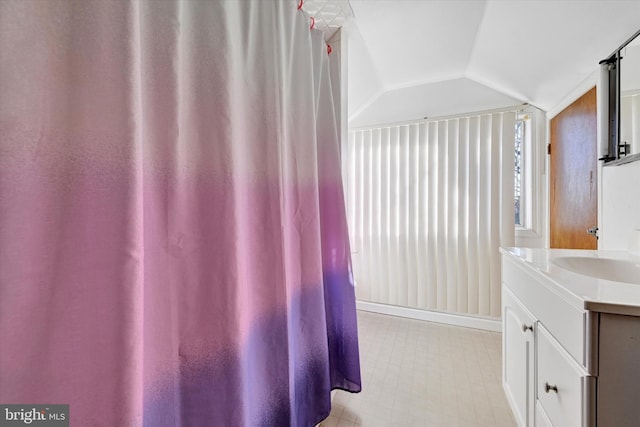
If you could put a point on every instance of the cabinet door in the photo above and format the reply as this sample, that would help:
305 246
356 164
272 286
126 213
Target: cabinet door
517 357
619 375
542 419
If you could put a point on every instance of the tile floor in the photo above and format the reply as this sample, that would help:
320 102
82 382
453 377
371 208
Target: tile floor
417 373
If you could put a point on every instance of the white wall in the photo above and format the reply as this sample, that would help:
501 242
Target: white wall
364 89
621 205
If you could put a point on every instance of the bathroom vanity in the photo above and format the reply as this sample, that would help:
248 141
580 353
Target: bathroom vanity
571 337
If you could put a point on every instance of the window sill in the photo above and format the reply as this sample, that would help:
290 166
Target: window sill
527 232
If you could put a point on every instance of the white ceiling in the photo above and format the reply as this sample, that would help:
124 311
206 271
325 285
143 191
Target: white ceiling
414 58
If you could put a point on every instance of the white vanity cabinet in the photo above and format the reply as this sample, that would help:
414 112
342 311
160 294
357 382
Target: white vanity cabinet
570 358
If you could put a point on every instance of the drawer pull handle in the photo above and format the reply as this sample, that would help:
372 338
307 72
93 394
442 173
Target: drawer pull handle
526 327
550 387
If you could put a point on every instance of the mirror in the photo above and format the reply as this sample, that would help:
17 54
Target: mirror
623 71
630 97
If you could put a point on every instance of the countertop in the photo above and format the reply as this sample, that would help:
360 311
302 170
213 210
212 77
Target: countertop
583 291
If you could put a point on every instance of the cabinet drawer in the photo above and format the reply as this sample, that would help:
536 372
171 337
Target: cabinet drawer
564 321
563 387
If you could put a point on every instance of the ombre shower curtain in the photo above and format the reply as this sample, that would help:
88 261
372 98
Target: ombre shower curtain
173 241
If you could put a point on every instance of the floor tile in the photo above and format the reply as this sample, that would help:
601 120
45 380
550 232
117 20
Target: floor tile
424 374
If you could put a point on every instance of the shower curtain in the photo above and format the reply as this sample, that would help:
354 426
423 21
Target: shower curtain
173 241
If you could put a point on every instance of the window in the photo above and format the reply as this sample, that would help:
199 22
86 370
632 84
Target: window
519 148
525 173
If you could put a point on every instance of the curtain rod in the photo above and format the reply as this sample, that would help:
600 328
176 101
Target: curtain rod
516 108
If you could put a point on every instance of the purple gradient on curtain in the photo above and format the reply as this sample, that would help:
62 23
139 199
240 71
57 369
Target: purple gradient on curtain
336 253
173 242
263 396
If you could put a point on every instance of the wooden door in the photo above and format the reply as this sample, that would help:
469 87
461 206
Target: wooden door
573 175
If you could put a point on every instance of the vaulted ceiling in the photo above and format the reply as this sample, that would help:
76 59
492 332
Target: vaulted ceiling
414 58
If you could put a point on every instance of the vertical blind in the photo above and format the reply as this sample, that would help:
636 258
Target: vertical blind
429 204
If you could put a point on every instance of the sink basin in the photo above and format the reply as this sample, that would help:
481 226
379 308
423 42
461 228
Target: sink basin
602 268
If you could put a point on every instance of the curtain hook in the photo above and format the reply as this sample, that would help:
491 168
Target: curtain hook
313 22
300 3
329 49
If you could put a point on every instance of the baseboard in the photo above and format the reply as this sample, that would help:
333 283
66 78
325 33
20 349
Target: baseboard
484 323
